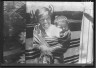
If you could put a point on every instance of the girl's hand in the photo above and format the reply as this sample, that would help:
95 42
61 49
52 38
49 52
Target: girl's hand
31 14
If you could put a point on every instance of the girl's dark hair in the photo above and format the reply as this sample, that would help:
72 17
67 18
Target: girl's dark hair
38 13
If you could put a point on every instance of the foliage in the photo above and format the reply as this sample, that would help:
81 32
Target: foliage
13 21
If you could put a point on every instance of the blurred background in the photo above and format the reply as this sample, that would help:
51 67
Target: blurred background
14 28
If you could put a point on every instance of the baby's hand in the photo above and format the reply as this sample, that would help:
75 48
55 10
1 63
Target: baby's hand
62 33
55 47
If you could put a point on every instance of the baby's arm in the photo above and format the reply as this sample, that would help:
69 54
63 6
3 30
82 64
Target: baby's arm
64 33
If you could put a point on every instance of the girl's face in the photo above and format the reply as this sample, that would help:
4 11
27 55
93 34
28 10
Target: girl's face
44 18
45 21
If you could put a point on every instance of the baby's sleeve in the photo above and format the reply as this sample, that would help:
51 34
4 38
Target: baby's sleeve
65 40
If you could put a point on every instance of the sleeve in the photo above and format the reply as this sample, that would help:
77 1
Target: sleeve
35 40
65 42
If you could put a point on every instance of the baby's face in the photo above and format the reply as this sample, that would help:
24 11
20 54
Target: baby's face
61 25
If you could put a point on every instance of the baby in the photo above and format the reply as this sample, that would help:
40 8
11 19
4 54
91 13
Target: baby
62 23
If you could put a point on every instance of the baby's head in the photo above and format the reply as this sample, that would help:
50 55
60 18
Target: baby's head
61 22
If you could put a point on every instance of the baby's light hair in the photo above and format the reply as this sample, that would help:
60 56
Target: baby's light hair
62 22
60 19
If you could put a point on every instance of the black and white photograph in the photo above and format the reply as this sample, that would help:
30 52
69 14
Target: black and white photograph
37 32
